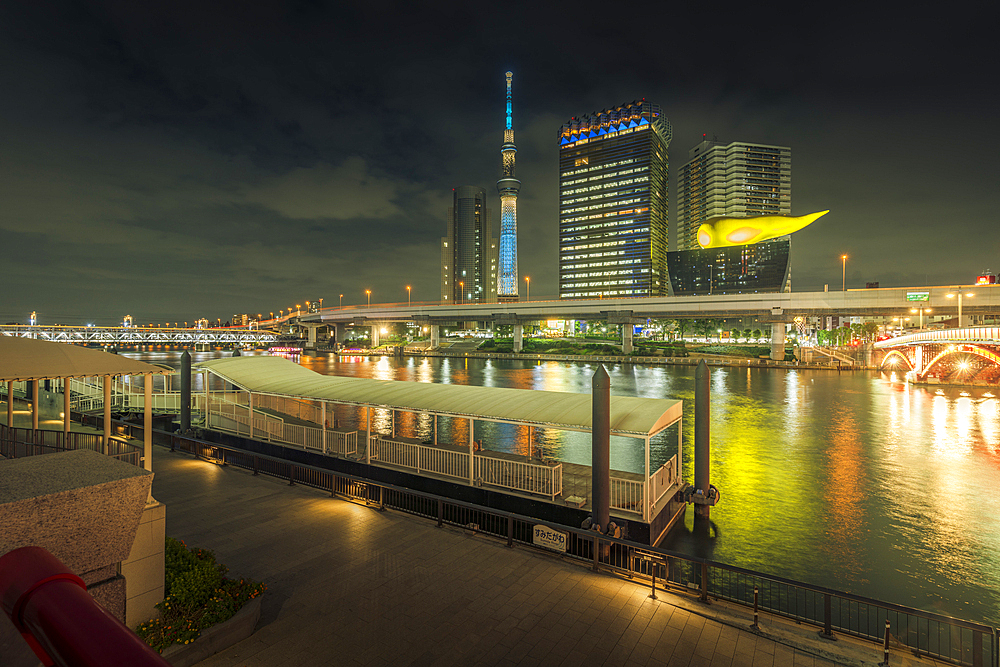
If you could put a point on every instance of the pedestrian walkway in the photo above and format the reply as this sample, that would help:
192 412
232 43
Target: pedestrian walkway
348 585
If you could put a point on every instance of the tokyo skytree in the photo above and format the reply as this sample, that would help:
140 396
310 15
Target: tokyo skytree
508 187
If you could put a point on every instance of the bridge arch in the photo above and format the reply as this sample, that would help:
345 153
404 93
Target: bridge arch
969 349
897 353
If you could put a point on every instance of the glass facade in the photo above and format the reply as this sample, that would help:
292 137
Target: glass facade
468 270
735 180
613 225
745 269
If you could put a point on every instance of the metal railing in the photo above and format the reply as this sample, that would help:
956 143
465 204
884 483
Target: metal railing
17 443
925 633
542 480
628 495
235 418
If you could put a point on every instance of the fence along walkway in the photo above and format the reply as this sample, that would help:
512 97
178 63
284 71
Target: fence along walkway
943 638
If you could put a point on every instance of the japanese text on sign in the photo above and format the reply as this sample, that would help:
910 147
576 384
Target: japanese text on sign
550 539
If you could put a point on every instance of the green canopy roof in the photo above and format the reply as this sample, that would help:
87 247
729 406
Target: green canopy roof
635 417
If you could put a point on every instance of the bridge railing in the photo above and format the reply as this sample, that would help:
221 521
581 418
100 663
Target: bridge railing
947 639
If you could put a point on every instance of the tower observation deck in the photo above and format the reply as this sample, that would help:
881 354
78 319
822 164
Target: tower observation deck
508 187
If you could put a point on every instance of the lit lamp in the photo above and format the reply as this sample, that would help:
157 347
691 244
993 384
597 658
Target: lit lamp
407 296
368 293
921 311
843 277
461 291
527 279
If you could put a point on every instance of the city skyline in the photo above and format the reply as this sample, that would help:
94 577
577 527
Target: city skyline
186 164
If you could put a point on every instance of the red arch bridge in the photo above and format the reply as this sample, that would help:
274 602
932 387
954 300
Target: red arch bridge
970 355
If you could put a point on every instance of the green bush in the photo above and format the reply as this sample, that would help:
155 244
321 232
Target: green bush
198 595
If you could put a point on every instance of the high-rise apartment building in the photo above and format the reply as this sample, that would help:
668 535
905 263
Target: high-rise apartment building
734 180
613 224
468 253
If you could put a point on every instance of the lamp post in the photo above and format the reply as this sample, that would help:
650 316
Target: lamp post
461 292
527 279
959 293
341 301
407 296
921 311
368 293
321 303
843 277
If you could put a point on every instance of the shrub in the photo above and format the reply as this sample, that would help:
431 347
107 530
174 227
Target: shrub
198 595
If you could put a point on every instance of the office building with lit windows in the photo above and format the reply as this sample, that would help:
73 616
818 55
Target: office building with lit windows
733 180
468 253
740 269
613 224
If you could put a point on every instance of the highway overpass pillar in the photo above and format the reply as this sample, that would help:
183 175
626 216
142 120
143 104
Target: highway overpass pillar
340 332
435 335
311 340
518 337
778 341
627 338
374 339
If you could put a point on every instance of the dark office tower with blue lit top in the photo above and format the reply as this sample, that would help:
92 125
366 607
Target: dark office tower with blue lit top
613 224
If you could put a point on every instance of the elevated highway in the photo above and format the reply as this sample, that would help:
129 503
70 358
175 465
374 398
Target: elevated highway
774 308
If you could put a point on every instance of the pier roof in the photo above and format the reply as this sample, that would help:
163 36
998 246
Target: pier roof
30 359
632 417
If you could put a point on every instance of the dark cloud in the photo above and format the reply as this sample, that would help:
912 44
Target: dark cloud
194 159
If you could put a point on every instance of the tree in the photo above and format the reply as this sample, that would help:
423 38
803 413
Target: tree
757 334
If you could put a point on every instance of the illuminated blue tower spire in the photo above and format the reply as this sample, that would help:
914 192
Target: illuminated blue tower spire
508 187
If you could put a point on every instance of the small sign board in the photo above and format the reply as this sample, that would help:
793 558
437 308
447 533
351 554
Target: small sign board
918 296
549 538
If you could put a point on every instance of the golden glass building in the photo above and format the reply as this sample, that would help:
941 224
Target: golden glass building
613 224
735 180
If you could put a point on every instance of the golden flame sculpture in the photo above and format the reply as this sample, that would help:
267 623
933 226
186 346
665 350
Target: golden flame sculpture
722 232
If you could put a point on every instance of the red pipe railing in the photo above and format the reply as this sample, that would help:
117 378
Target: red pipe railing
63 625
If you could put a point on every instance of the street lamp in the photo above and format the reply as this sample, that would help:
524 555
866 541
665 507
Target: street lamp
843 277
321 303
368 292
527 279
921 311
341 300
461 291
952 296
407 296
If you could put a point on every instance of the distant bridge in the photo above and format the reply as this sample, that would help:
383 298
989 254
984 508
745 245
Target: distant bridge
141 335
968 355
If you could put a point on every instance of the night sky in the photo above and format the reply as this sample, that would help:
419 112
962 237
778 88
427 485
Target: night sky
179 160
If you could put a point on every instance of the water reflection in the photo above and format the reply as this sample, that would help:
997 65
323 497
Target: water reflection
854 481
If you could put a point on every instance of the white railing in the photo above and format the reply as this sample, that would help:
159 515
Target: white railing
519 476
420 458
236 419
304 410
628 495
664 482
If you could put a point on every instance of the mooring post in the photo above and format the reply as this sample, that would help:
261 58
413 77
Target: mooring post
702 420
601 449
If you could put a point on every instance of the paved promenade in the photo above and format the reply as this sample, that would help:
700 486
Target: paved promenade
348 585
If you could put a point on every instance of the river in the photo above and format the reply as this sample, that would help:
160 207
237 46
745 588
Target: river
854 481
